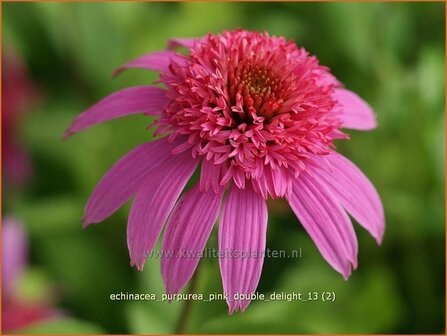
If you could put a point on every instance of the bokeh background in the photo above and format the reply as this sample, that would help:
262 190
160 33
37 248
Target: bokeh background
392 54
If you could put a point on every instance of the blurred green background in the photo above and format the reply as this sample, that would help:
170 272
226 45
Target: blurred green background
392 54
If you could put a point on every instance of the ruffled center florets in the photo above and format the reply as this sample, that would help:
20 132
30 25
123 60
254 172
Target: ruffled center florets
259 88
254 107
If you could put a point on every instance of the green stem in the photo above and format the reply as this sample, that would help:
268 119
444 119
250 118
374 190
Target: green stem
186 311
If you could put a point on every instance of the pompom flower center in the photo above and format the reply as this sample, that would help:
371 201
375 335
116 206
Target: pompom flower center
259 87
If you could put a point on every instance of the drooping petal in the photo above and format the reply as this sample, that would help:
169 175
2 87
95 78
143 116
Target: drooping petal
242 238
326 222
123 180
154 202
181 42
187 231
355 193
276 182
14 252
355 113
132 100
210 176
156 61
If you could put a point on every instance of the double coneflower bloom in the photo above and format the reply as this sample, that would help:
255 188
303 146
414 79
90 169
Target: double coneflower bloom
19 312
258 116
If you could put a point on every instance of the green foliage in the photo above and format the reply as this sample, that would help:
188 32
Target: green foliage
63 325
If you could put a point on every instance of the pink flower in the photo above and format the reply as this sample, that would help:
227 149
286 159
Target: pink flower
259 116
18 313
14 252
18 93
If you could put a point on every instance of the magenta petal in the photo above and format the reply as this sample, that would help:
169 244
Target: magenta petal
187 231
181 42
326 222
355 113
154 202
132 100
242 238
355 193
210 175
14 252
123 180
156 61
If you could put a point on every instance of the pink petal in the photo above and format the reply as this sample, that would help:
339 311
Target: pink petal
181 42
14 252
156 61
210 175
153 204
355 193
123 180
326 222
132 100
242 230
187 232
355 113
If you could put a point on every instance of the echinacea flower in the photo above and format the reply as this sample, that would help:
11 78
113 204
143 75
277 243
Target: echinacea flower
259 116
18 93
18 313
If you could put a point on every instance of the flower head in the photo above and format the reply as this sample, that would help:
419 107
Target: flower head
252 105
18 312
259 115
18 92
14 251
